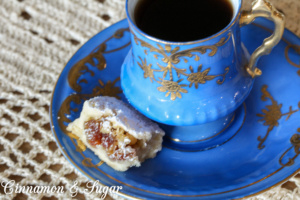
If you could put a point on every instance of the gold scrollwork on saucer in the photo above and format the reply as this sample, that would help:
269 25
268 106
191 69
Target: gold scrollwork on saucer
80 67
171 57
95 59
88 163
86 65
272 114
295 141
286 53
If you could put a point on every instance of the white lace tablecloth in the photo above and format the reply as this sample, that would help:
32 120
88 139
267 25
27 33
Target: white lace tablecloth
37 38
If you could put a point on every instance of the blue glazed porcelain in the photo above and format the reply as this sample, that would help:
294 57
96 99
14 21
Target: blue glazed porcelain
188 83
262 153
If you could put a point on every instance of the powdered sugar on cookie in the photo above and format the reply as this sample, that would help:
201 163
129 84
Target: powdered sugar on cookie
117 133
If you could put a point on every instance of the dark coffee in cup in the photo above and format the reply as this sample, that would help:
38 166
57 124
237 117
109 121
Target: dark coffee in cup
182 20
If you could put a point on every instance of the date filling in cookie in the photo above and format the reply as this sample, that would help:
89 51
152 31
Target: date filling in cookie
118 144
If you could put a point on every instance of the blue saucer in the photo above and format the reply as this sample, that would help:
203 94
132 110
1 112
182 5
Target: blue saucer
261 154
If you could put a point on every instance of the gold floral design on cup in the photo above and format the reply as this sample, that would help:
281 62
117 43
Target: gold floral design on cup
171 57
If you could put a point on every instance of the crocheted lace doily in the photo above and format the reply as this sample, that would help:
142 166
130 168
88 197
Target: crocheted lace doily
36 40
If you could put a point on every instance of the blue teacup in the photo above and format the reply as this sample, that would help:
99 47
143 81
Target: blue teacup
196 82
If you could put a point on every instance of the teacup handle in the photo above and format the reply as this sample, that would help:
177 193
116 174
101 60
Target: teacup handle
263 8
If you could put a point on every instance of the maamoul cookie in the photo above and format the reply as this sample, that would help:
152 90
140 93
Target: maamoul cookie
117 133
